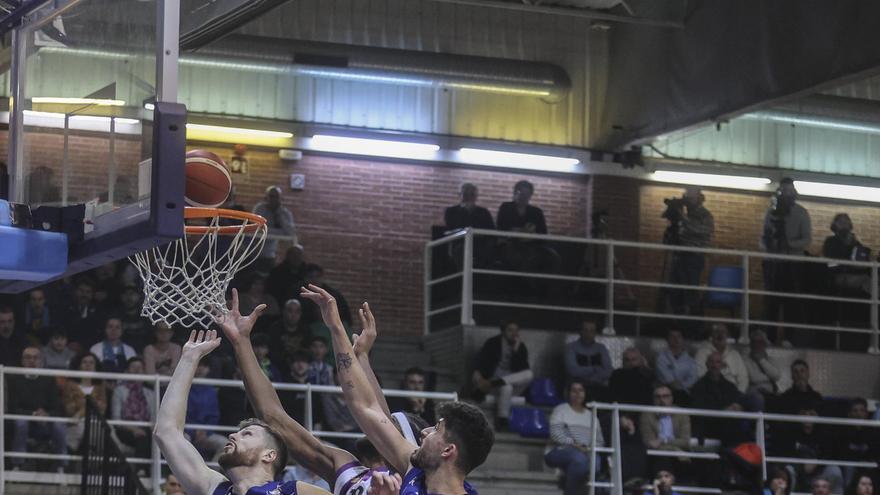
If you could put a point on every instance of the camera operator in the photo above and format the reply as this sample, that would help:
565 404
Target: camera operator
691 224
787 230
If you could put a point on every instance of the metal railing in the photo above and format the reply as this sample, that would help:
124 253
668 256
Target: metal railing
157 381
466 270
760 421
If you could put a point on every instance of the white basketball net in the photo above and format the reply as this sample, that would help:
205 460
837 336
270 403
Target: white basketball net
185 281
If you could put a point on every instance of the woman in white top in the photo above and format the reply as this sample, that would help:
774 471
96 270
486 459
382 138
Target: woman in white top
571 430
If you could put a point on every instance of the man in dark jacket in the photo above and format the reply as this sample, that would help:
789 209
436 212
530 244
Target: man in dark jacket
713 391
502 367
801 395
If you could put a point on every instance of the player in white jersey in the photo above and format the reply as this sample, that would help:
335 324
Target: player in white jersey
341 469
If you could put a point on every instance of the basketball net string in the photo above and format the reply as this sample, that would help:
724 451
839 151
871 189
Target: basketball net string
185 281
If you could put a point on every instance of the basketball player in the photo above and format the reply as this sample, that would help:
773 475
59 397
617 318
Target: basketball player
457 444
338 467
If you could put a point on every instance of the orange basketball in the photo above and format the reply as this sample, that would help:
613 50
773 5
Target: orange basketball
207 179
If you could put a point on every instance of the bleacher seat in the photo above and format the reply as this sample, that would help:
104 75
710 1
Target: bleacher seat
529 422
542 392
725 277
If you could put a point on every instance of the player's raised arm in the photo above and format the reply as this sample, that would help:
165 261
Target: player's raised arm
359 394
185 461
302 445
363 343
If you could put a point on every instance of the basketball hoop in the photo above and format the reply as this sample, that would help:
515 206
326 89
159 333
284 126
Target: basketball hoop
185 281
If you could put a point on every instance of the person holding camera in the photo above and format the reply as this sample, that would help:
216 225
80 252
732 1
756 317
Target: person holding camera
691 224
787 230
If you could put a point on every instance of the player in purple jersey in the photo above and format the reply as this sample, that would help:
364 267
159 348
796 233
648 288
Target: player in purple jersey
342 470
252 458
456 445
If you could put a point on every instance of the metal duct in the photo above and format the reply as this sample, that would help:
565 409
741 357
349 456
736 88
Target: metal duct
394 66
826 111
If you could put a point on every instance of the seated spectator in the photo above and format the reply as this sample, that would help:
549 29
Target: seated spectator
634 382
676 368
857 443
253 294
32 395
821 486
665 431
203 408
502 368
137 329
845 246
113 352
571 433
734 369
172 486
519 216
11 340
132 401
285 279
339 418
260 343
714 391
414 379
300 473
808 441
294 402
289 334
320 373
801 395
467 213
82 316
36 319
763 370
663 483
162 356
56 354
589 361
861 484
778 482
74 393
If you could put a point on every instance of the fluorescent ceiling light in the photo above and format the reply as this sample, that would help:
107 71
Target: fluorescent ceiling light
149 106
712 180
491 88
374 147
238 135
818 122
838 191
102 102
518 160
95 123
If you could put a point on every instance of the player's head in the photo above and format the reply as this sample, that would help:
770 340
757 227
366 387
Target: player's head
462 436
408 424
254 445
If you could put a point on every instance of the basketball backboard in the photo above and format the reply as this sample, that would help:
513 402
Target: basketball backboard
94 122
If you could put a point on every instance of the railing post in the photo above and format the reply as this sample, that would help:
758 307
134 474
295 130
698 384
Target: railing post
744 336
616 470
2 430
427 294
593 456
609 292
156 456
310 425
467 279
875 324
759 439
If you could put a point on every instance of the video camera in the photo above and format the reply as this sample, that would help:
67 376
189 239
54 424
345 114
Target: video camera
674 213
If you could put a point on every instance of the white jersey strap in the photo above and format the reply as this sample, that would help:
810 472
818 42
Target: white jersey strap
345 475
405 427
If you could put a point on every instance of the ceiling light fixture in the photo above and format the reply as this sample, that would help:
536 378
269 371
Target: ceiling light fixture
838 191
712 180
374 147
509 159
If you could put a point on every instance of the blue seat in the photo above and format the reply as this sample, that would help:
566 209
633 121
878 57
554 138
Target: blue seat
529 422
542 392
725 277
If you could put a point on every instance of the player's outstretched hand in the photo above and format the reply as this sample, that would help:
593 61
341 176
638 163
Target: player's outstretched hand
364 341
234 324
325 301
201 343
384 483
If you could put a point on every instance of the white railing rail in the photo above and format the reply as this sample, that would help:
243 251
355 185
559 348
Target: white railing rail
157 381
611 280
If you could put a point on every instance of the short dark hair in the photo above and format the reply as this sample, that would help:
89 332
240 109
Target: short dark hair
786 180
414 370
54 331
467 427
524 184
577 381
800 361
276 442
507 323
77 361
317 338
133 360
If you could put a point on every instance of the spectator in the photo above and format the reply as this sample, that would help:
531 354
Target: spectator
300 473
414 379
519 216
502 367
11 341
113 352
665 431
714 391
36 318
808 441
778 482
56 354
279 221
571 433
339 418
285 279
467 213
861 484
203 408
634 382
107 289
294 402
676 368
821 486
172 486
663 484
734 368
801 395
762 369
787 230
32 395
74 393
845 246
260 343
857 443
695 227
136 328
320 373
290 334
81 315
589 361
162 356
132 401
254 293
